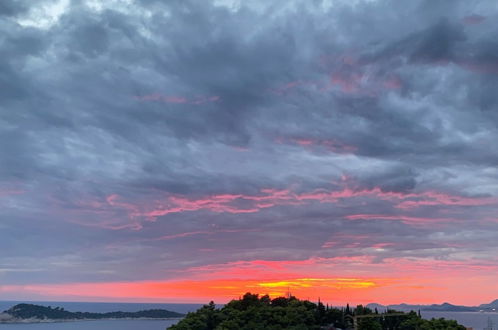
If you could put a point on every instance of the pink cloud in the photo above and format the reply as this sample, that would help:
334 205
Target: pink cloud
402 218
215 203
360 83
349 83
436 198
286 88
174 99
9 192
382 245
156 206
231 203
481 67
345 241
114 200
205 99
473 19
312 143
351 75
347 74
177 99
112 213
241 149
221 203
393 82
181 235
201 232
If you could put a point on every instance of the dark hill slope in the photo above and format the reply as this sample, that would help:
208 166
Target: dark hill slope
30 311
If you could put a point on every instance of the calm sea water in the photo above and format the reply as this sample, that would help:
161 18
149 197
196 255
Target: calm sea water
470 319
100 308
95 325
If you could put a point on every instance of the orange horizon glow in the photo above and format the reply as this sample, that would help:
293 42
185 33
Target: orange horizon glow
336 292
414 282
199 290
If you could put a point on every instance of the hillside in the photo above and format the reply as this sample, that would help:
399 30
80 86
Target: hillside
491 305
23 312
253 312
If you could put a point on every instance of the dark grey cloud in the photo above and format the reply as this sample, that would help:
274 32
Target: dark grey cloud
13 8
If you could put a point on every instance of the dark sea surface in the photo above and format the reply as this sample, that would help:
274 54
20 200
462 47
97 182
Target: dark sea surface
94 325
470 319
100 308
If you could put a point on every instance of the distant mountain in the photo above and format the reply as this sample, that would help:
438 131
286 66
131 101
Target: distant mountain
398 307
379 307
406 307
36 313
445 307
491 305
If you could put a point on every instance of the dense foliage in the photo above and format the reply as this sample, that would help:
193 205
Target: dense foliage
257 313
28 311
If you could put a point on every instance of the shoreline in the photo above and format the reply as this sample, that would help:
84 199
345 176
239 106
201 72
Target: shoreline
34 320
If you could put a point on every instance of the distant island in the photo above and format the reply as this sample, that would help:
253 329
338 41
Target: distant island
23 313
444 307
252 312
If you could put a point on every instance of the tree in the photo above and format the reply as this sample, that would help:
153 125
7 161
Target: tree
252 312
265 300
369 324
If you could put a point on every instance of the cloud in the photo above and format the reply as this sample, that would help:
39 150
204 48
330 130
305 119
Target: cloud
175 136
13 8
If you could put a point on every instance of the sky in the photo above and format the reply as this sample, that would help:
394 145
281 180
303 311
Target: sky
188 151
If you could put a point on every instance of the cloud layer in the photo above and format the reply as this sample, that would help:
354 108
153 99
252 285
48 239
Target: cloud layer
173 141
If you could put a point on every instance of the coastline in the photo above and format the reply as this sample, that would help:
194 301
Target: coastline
35 320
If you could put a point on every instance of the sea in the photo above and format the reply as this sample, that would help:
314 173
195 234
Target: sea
100 308
475 320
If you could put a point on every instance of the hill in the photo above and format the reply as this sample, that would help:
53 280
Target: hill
24 312
253 312
491 305
444 307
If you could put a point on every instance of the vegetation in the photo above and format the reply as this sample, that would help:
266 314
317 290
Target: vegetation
257 313
30 311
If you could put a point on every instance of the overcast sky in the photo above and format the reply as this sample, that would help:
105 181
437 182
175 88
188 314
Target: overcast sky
178 150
